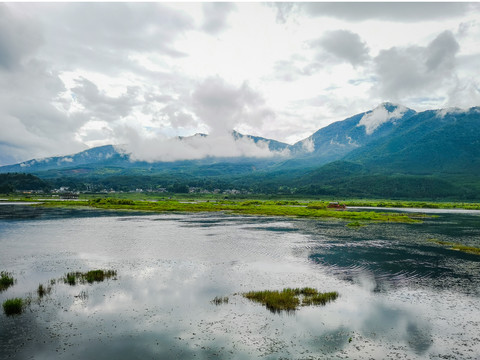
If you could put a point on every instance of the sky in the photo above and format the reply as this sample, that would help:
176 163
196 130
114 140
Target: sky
78 75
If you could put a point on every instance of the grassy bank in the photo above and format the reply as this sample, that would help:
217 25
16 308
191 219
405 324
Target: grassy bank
266 198
290 208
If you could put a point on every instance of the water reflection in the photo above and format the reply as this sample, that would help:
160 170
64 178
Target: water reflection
398 294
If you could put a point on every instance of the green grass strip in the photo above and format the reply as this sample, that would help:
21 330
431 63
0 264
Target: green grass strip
265 208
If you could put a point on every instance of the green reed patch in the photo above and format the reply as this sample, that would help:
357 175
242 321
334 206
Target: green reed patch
6 280
290 299
90 277
13 306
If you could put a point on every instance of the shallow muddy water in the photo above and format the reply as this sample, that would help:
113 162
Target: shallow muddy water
401 296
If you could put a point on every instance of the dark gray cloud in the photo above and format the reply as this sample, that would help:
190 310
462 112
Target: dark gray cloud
19 37
124 26
403 71
344 45
222 106
441 52
391 11
100 106
216 14
105 37
32 113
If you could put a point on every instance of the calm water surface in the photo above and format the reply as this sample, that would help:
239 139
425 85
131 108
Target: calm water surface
401 296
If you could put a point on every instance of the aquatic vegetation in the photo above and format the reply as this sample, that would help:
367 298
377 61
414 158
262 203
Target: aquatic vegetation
16 306
70 278
355 224
459 247
42 290
98 275
6 280
13 306
83 295
320 298
91 276
219 300
290 299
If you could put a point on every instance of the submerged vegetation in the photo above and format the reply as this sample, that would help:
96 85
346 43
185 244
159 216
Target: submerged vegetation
290 299
42 290
13 306
355 224
219 300
91 276
6 280
16 306
458 247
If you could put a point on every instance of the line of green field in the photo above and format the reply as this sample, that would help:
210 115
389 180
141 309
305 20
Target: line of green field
253 207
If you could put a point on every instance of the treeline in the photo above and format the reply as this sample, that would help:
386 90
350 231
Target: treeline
346 184
12 182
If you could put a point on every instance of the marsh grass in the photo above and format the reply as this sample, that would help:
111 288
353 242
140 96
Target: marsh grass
459 247
13 306
42 290
6 280
320 298
290 299
90 277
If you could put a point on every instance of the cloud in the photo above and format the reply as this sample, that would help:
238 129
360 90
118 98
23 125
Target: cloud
284 9
295 68
123 26
465 93
34 115
380 115
100 106
222 106
388 11
160 148
19 37
441 52
108 37
343 45
216 15
403 71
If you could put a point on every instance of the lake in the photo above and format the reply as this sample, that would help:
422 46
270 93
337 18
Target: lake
401 295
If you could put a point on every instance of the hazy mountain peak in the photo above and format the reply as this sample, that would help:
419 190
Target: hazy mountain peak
385 112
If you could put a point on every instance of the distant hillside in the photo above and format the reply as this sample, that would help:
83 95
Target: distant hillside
431 142
339 138
390 151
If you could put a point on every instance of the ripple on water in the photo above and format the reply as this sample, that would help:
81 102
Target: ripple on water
399 296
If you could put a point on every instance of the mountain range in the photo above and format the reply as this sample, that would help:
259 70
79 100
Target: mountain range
389 151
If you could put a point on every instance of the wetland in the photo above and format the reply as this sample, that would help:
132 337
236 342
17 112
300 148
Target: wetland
401 289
